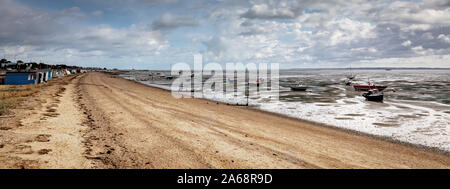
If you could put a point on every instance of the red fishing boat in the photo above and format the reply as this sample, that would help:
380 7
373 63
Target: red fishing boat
368 87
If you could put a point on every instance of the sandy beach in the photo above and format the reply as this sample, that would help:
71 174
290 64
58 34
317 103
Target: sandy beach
98 120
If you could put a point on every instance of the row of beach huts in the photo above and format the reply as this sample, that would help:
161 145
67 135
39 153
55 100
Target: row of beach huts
20 73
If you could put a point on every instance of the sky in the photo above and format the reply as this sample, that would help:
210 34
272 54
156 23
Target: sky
155 34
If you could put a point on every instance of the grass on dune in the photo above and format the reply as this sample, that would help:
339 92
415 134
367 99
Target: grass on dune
12 95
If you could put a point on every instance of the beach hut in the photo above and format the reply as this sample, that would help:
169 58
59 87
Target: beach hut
49 75
25 77
56 73
44 75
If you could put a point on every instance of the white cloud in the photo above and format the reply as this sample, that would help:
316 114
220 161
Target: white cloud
347 31
411 16
407 43
365 49
422 51
445 38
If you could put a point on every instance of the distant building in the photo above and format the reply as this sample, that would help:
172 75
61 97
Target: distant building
3 63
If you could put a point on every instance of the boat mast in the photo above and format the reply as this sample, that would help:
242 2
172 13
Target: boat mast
351 71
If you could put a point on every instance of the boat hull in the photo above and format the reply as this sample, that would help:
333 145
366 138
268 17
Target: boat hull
367 87
377 98
299 88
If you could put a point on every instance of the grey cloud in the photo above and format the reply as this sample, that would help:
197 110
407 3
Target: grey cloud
247 23
254 29
28 32
286 9
436 4
162 1
263 11
127 2
70 14
25 26
216 46
169 21
252 32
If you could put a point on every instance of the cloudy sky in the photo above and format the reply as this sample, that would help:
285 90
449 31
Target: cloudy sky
154 34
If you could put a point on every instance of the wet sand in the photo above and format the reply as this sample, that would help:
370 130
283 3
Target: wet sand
103 121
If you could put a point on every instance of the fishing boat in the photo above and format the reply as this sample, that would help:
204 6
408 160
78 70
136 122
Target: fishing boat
368 87
298 87
259 81
373 95
352 75
348 82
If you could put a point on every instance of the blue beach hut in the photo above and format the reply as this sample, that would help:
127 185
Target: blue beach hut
25 77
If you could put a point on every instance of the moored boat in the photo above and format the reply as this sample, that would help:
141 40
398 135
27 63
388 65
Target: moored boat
368 87
348 83
352 75
298 87
373 95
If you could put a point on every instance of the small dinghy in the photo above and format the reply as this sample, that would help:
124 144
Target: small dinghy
259 81
373 95
298 87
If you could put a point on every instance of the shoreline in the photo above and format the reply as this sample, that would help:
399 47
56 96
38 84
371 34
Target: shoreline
350 131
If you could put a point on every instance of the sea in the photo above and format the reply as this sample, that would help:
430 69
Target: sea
415 110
